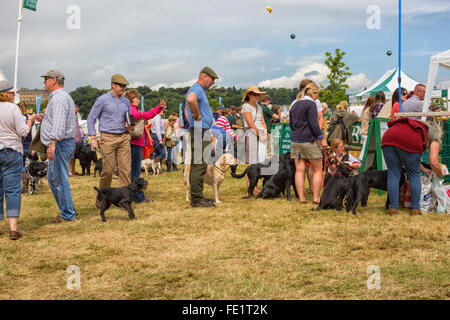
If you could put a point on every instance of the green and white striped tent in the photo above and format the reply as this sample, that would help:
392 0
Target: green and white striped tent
388 83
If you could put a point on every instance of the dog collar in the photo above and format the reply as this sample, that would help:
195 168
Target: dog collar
218 168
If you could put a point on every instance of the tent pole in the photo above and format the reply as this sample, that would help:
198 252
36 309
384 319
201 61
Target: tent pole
400 54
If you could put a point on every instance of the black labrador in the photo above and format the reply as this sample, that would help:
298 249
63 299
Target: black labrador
336 188
254 172
334 193
120 197
86 157
98 167
278 183
359 190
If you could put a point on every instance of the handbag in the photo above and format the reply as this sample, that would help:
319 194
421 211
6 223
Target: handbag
138 131
36 143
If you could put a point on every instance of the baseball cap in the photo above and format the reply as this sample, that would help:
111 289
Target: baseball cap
54 73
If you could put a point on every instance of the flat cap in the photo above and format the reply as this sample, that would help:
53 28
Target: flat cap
54 73
210 72
120 79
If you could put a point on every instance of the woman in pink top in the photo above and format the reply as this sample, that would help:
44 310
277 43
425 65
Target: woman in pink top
137 144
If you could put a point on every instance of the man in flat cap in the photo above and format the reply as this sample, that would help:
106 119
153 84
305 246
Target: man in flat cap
57 133
110 109
200 122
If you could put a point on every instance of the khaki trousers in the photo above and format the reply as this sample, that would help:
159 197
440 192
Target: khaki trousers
115 145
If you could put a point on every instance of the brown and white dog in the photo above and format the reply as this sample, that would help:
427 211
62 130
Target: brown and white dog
215 174
153 163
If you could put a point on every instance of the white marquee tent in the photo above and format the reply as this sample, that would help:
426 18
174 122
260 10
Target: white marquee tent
388 83
439 60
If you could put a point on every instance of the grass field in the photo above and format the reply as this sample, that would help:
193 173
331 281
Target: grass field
242 249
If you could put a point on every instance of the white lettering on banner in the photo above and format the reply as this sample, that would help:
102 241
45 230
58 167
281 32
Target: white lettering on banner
356 137
374 20
74 20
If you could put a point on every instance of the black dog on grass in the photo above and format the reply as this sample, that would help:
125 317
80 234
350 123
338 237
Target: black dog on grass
334 193
278 183
361 184
98 167
120 197
86 157
35 170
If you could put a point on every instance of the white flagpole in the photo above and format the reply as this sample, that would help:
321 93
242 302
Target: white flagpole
19 21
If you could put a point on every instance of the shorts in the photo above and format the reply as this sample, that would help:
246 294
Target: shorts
305 150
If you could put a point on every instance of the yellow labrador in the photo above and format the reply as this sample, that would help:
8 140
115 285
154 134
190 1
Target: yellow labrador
215 174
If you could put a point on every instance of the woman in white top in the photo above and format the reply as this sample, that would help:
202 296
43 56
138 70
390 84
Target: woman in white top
254 126
12 129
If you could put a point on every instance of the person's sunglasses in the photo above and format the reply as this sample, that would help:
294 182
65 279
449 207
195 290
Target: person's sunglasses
120 85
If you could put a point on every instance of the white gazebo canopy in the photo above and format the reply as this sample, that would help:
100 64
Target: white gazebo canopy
440 60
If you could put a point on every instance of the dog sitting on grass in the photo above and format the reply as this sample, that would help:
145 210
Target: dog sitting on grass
120 197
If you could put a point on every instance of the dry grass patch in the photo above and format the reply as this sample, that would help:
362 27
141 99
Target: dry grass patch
243 249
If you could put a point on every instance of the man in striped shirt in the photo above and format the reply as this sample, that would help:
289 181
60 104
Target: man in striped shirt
57 133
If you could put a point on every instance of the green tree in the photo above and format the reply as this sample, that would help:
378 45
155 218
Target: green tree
335 92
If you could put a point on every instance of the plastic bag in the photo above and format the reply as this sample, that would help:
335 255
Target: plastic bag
427 200
438 189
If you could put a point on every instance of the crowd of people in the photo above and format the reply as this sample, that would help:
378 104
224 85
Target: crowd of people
244 131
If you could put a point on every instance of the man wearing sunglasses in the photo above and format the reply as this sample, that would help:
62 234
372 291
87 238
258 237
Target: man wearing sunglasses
110 109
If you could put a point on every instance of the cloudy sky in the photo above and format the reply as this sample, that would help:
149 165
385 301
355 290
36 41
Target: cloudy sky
166 43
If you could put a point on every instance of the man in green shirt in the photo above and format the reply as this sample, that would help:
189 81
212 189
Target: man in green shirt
268 116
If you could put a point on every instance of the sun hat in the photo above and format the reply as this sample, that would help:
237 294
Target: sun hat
253 89
5 85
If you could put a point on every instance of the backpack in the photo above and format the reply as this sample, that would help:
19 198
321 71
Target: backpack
338 131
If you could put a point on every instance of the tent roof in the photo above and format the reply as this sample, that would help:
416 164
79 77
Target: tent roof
442 58
389 82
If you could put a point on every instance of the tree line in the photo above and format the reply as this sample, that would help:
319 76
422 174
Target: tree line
85 97
332 94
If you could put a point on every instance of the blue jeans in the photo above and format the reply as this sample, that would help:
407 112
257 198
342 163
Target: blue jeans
58 178
158 148
136 158
10 182
169 153
395 158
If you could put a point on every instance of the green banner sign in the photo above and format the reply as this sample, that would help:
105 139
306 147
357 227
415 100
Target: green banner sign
30 4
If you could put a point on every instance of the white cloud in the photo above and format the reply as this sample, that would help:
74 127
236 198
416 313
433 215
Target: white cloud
245 54
357 81
158 85
137 84
173 85
315 71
